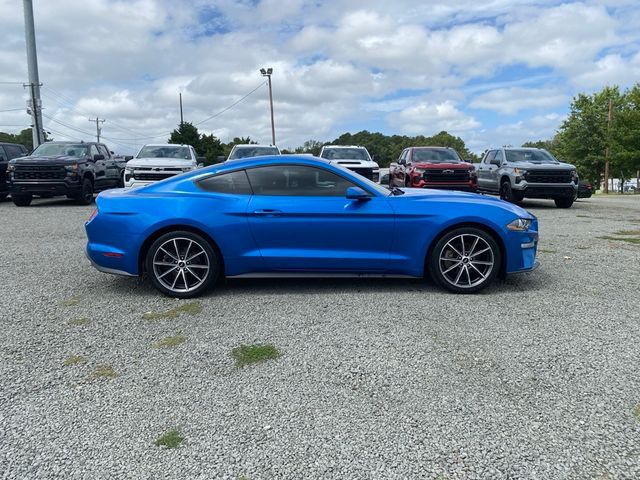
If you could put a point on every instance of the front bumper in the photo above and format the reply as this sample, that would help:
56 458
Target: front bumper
547 190
133 183
45 188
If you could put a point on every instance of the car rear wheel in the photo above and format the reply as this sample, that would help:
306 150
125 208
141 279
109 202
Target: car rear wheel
508 194
182 264
465 260
85 197
564 202
21 200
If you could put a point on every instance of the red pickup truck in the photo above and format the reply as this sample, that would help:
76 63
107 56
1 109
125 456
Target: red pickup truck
432 167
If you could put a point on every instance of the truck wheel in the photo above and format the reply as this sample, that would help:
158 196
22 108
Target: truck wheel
121 180
21 200
508 195
86 193
182 264
564 202
465 260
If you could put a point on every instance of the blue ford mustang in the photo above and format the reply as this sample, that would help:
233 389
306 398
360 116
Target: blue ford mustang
295 216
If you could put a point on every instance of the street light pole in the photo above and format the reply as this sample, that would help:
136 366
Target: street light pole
267 73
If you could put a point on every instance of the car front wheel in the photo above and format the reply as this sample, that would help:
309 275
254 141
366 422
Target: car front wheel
182 264
21 200
465 260
508 194
564 202
85 197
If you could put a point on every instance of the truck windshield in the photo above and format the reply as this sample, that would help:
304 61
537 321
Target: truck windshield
246 152
58 149
435 155
164 151
532 156
345 154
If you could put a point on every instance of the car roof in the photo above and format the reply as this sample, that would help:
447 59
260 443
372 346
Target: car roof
10 143
253 145
271 160
430 147
166 145
343 146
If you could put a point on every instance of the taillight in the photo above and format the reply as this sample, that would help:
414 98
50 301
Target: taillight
93 214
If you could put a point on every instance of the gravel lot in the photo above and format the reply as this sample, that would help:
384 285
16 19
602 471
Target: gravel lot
535 378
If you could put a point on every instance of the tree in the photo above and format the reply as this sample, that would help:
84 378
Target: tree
211 148
186 134
25 138
310 146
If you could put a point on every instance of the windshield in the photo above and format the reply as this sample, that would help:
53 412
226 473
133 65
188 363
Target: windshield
533 156
435 155
165 151
55 149
345 154
246 152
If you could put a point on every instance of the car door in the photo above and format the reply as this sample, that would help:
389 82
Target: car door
111 169
302 221
99 168
493 171
399 170
483 170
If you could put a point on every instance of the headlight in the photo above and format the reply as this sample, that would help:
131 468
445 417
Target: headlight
187 169
128 169
519 225
11 167
72 168
420 170
519 171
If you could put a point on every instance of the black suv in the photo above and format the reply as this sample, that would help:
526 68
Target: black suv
74 169
8 151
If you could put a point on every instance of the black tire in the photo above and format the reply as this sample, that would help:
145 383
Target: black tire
476 267
85 197
121 180
176 252
564 202
21 200
508 194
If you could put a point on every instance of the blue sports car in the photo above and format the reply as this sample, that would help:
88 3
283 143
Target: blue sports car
299 216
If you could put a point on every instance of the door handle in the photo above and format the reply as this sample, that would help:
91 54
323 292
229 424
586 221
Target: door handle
267 212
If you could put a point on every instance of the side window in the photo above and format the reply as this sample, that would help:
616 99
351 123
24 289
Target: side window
490 156
13 151
403 157
232 182
93 150
103 151
3 155
499 156
297 180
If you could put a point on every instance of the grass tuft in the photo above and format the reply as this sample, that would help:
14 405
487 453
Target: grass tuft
192 308
169 342
78 322
171 439
547 250
636 411
70 302
634 241
249 354
628 232
582 216
104 371
72 360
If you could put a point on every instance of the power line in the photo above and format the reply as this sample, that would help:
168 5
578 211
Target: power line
12 110
230 106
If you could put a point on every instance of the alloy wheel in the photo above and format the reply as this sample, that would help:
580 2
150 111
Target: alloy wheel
181 264
466 261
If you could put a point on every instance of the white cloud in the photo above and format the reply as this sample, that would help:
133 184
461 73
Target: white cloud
427 118
511 100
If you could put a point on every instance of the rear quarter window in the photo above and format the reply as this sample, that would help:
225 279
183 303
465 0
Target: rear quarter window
235 183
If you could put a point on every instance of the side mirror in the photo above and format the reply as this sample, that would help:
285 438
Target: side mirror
496 162
97 157
356 193
128 157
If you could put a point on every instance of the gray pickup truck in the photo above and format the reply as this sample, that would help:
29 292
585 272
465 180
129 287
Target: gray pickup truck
518 173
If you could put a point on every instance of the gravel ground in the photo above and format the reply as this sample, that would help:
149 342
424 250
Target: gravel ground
535 378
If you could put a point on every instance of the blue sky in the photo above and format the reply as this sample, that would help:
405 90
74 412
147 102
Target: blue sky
494 73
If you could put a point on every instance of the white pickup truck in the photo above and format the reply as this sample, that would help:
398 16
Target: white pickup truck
157 162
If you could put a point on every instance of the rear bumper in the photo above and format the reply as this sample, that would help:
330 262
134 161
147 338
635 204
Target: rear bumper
103 269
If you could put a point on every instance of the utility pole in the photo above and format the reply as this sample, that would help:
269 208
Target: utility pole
98 128
267 73
606 152
181 117
34 81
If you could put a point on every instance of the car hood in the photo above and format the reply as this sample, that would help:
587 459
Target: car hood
444 166
542 166
48 160
430 195
160 162
346 162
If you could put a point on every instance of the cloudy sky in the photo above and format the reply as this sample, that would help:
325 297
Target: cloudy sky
493 72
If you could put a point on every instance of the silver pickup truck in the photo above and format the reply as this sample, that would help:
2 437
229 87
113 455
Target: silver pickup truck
518 173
